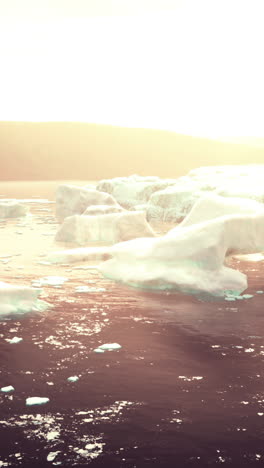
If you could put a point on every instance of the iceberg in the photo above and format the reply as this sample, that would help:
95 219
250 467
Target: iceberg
189 259
173 203
212 206
71 200
133 190
115 227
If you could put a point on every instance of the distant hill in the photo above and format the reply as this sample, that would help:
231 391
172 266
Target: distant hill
73 150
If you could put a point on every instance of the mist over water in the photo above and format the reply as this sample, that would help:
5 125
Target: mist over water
184 389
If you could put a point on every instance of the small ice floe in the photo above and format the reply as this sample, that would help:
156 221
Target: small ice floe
14 340
260 292
83 289
36 401
74 378
56 281
7 389
107 347
52 455
234 297
189 379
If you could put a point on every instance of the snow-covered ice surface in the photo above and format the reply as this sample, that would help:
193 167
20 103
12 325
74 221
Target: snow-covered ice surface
188 371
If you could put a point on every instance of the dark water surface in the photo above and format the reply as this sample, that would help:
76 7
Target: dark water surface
186 389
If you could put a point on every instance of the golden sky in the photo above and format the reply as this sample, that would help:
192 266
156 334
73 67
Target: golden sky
192 66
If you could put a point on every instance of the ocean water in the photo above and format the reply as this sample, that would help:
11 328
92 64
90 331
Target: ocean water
184 389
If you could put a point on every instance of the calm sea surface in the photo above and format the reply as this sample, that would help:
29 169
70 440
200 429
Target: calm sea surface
186 388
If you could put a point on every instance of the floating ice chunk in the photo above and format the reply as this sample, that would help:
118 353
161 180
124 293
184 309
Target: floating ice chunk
52 455
50 281
74 378
7 389
83 289
12 209
259 292
230 298
20 299
98 350
189 379
14 340
37 401
109 346
247 296
51 435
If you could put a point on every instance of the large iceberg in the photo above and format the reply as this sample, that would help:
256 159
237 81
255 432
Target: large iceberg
212 206
20 299
189 259
71 200
112 228
173 203
134 190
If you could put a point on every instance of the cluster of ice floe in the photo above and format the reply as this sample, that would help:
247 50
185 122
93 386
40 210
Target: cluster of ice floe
221 210
191 257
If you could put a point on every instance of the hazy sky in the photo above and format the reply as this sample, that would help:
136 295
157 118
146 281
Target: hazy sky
193 66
